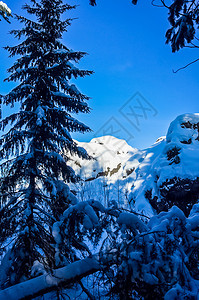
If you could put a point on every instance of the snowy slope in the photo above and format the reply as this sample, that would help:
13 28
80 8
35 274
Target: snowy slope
108 153
133 177
118 172
106 176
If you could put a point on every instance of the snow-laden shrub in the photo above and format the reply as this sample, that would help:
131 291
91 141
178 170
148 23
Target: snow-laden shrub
160 259
81 226
157 259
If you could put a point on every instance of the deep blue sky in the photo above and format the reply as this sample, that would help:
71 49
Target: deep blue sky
127 51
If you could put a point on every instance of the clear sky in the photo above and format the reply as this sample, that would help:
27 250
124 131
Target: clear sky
127 51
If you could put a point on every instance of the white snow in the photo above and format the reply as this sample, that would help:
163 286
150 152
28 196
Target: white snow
106 174
40 115
4 8
188 166
44 282
124 174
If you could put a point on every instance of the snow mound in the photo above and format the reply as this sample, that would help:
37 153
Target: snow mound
180 157
108 154
169 172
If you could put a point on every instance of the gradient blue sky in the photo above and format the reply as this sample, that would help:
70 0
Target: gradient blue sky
127 51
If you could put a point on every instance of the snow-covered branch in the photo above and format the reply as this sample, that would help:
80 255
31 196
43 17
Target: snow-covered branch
46 283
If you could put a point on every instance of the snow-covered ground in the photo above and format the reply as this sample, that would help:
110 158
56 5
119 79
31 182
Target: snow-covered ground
124 174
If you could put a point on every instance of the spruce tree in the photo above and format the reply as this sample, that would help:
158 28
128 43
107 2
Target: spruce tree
36 139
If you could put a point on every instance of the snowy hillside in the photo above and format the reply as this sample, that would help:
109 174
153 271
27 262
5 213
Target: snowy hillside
106 176
143 179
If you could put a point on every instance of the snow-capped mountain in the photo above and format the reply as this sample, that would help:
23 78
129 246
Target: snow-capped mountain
145 180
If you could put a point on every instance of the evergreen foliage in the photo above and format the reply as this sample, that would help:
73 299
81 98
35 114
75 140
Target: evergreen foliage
93 2
34 170
184 21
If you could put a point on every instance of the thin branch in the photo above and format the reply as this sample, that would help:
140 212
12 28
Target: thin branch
45 213
90 296
191 5
135 213
194 61
192 47
156 5
163 2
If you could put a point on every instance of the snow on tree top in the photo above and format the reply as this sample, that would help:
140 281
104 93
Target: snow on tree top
4 8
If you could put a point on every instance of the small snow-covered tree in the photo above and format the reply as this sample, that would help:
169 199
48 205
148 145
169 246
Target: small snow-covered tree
34 147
